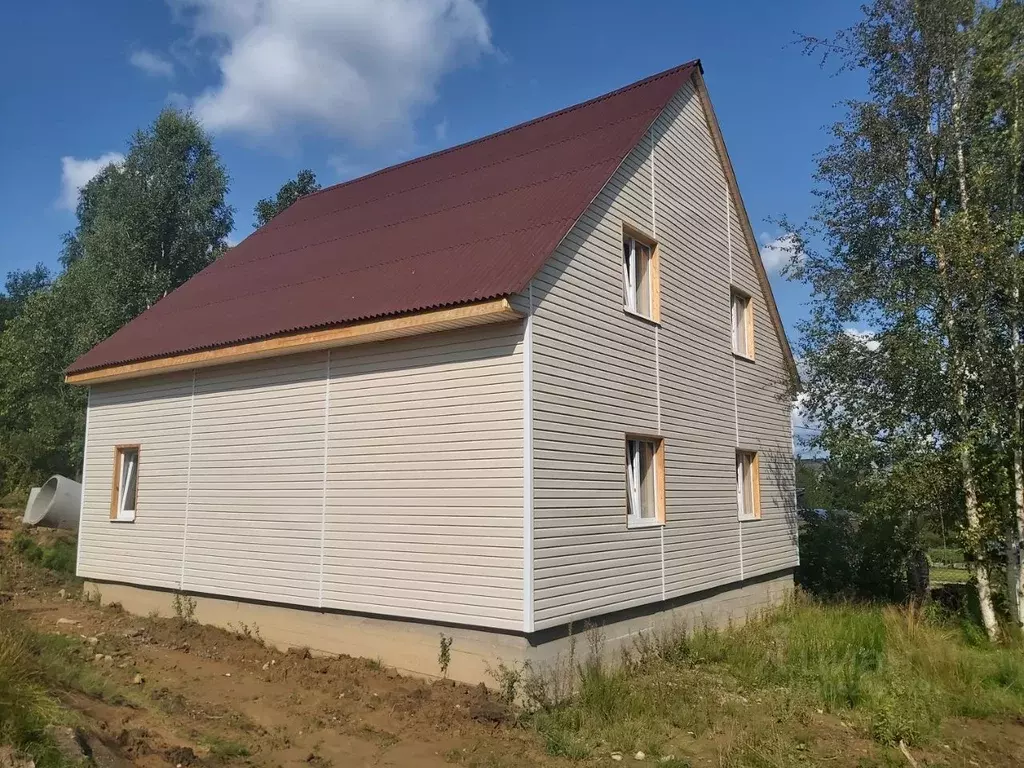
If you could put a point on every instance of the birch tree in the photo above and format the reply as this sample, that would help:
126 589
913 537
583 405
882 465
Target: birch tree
898 210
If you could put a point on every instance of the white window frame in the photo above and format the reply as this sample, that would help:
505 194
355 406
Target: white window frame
636 515
630 241
126 470
748 485
742 307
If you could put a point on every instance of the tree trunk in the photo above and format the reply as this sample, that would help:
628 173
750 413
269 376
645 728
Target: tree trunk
1015 537
978 569
959 371
1014 572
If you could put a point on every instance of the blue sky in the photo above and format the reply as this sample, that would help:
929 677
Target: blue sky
347 86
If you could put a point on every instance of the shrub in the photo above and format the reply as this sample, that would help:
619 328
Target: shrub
60 555
848 556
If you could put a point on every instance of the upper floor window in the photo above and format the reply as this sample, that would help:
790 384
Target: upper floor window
742 325
126 483
748 485
640 275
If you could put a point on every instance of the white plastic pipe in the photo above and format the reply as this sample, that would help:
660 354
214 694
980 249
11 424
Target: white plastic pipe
58 504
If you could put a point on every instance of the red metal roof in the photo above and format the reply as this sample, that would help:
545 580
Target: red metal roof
473 222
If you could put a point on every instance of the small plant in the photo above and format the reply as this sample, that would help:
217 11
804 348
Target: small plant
185 608
248 632
444 656
508 678
225 749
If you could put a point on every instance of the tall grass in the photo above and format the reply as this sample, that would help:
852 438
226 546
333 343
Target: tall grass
895 674
26 707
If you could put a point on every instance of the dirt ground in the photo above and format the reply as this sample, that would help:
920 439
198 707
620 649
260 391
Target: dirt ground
167 693
163 692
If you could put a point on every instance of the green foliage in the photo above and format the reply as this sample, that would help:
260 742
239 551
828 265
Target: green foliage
866 539
20 285
304 183
144 227
893 673
59 555
922 219
225 749
444 655
29 669
184 607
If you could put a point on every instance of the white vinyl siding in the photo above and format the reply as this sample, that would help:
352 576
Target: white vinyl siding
152 413
598 375
406 464
425 479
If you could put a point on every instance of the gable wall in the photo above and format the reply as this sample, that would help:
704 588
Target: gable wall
416 512
599 373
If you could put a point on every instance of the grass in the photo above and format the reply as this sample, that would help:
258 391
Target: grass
949 575
27 703
58 555
758 693
225 749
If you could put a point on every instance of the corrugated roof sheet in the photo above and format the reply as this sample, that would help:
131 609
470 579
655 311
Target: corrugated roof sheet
473 222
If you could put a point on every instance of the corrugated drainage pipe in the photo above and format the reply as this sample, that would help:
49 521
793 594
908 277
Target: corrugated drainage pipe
57 505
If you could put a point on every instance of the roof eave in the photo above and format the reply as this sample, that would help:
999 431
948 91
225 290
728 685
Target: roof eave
364 332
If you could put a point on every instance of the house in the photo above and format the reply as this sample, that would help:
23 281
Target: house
529 384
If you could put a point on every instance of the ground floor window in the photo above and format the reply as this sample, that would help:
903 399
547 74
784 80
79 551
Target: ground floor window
645 481
126 483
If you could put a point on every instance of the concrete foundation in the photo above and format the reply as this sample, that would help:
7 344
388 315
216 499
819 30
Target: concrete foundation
412 646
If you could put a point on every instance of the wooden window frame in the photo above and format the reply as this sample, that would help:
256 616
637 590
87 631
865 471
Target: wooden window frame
115 486
634 521
634 232
755 485
748 319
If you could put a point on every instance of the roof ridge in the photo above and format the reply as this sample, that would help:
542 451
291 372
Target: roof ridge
527 123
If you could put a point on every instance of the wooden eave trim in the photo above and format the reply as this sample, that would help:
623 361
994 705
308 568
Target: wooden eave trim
429 321
741 211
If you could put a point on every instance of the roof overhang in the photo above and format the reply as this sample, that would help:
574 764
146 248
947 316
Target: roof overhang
412 324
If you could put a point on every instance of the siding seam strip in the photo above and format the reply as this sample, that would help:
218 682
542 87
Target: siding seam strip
657 365
528 467
85 451
323 498
735 396
188 479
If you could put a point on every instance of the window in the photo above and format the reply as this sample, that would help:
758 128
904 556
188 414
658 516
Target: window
639 275
742 325
645 481
748 485
124 492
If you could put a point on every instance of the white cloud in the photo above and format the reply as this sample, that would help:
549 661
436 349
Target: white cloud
776 252
354 69
76 173
867 338
152 63
441 130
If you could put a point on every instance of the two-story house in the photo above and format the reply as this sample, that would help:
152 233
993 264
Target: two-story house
532 382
